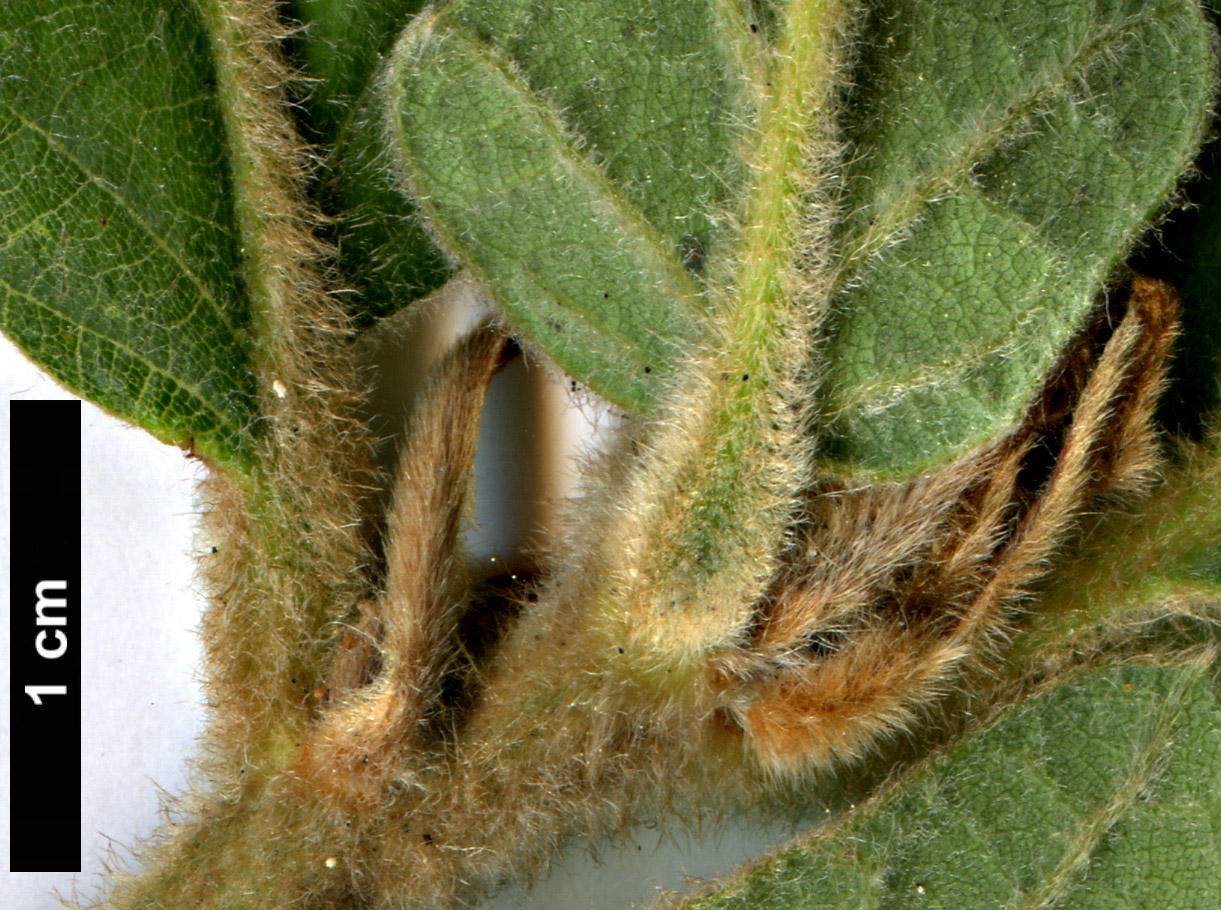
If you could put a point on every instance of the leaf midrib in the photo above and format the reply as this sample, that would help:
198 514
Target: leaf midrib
125 204
1149 761
912 197
922 377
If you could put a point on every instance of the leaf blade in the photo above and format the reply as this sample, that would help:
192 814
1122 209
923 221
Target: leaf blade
659 104
120 266
572 263
1006 161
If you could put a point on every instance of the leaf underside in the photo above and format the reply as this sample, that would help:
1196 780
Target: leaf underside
657 105
1003 162
574 264
649 122
653 92
120 266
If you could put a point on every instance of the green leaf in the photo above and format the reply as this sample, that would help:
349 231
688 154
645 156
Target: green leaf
120 267
384 253
573 263
1103 792
1004 159
652 90
655 109
656 106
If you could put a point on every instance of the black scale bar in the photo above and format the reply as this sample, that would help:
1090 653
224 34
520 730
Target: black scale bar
45 630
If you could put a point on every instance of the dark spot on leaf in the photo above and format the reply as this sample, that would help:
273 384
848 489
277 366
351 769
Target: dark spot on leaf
692 253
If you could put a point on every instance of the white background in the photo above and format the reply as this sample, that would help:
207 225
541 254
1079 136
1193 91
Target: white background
141 709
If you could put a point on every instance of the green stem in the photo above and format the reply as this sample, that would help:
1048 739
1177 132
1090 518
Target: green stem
706 513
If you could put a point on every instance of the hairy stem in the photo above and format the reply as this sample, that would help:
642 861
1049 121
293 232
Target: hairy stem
283 543
707 508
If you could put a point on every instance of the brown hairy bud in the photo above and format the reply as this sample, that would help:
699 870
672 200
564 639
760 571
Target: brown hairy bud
893 588
410 637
